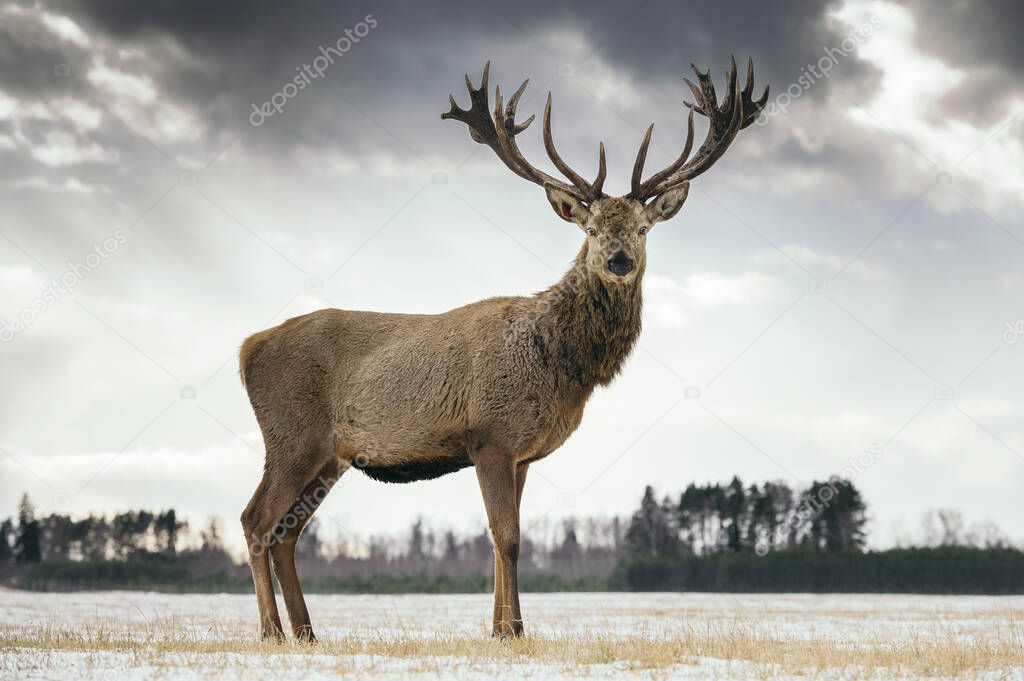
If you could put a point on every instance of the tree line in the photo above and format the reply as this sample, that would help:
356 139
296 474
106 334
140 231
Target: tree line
709 519
710 537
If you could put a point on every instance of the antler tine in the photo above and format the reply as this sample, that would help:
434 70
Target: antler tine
549 145
698 97
752 109
733 92
748 88
602 171
638 165
513 102
708 98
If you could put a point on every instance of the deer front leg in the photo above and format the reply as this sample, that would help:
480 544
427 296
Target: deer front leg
520 481
497 477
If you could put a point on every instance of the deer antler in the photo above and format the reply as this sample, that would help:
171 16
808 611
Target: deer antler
737 111
500 133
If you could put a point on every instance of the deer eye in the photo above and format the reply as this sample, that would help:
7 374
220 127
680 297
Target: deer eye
643 230
591 231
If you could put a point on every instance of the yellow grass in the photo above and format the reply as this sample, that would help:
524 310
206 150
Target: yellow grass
941 653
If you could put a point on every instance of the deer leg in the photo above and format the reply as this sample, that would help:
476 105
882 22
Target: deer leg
499 608
259 563
499 593
521 470
497 478
274 496
283 551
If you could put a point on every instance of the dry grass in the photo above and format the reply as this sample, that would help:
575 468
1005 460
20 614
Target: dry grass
122 635
942 653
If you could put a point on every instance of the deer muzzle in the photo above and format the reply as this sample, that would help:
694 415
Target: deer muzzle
620 264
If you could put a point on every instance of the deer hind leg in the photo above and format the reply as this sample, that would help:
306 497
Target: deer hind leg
281 485
497 478
259 563
283 551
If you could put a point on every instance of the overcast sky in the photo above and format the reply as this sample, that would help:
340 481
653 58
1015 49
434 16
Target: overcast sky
848 279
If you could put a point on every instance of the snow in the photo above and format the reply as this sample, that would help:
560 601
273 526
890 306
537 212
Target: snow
848 620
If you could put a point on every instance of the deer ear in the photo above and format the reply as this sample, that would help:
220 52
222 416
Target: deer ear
666 205
567 206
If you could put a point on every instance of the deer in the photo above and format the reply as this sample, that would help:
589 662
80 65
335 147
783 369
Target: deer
496 385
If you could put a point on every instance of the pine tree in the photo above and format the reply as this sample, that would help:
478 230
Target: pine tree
688 517
27 548
6 541
734 501
93 536
57 533
211 536
836 516
166 526
651 530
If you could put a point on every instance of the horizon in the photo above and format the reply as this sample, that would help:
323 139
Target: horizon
932 531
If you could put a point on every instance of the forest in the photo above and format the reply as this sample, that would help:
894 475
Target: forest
711 537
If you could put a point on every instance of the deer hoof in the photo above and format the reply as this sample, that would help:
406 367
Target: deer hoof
272 636
305 635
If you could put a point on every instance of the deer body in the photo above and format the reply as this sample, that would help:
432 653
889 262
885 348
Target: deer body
410 397
496 385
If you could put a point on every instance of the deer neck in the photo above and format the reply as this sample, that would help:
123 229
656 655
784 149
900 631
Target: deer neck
587 326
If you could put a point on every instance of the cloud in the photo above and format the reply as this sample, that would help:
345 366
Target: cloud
66 29
912 87
122 85
975 39
58 148
672 303
70 185
19 281
820 262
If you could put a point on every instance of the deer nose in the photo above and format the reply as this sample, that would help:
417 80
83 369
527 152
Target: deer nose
620 264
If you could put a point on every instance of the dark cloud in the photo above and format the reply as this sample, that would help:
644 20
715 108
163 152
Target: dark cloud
219 58
983 38
972 33
26 65
383 98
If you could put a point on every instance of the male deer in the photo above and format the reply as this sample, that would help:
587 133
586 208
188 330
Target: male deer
497 384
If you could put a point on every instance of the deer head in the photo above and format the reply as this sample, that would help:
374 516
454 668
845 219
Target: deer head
616 228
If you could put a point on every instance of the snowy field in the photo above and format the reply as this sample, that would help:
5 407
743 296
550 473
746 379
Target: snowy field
131 635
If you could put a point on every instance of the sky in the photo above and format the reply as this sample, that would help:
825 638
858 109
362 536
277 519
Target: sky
841 294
